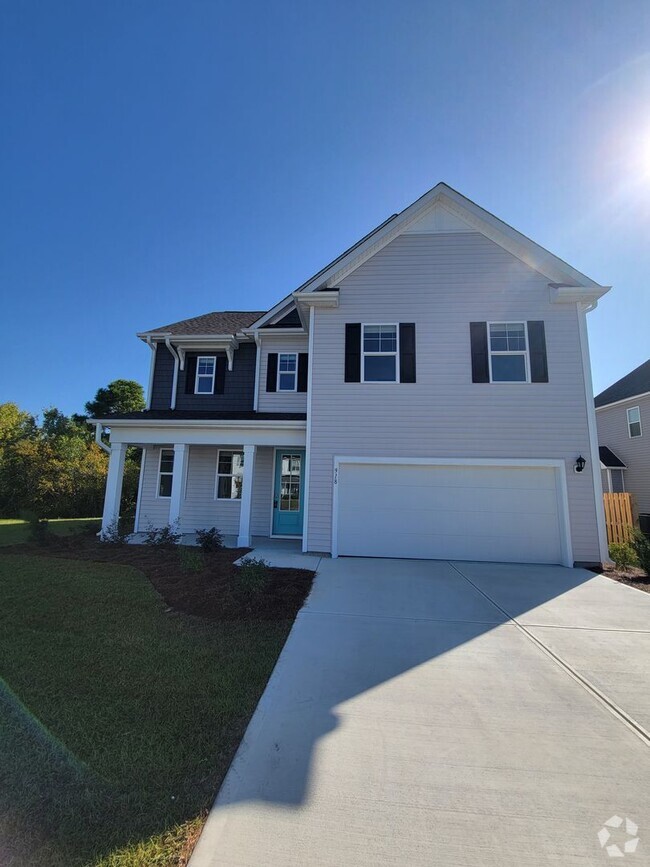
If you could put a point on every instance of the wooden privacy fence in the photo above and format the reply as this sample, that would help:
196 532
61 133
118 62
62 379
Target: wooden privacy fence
618 517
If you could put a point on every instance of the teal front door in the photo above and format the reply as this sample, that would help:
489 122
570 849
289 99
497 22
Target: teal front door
288 492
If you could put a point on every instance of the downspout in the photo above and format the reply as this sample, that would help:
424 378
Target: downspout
174 355
99 429
152 346
258 359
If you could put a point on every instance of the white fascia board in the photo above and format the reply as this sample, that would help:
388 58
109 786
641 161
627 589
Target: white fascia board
251 424
624 400
321 299
264 434
564 294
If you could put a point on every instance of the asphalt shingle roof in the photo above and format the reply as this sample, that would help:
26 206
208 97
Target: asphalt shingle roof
609 459
636 382
218 322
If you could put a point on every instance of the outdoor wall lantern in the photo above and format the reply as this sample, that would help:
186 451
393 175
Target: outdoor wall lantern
580 464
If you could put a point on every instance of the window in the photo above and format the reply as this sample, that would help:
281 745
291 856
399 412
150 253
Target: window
379 351
290 484
205 368
287 371
165 472
634 422
508 352
230 474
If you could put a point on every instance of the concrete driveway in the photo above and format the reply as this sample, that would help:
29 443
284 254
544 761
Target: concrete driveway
430 713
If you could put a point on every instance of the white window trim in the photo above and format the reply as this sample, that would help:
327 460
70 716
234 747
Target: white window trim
525 352
160 496
295 375
629 423
395 381
219 475
610 485
212 358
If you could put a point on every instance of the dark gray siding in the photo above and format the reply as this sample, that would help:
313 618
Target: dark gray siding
161 392
239 385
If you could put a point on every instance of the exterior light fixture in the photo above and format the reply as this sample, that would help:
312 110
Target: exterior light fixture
580 464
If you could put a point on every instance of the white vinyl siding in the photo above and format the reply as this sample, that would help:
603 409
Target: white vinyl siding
613 432
442 283
154 510
281 401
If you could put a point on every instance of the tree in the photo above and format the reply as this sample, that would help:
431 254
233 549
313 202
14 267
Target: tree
15 425
121 395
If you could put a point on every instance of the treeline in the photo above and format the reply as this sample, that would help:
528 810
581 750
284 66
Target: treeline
53 467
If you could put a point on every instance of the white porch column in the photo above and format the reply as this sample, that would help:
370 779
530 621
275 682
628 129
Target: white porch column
113 485
244 538
181 456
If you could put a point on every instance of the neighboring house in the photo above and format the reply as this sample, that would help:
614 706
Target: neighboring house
425 395
623 419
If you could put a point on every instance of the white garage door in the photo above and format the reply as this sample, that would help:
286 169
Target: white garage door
461 512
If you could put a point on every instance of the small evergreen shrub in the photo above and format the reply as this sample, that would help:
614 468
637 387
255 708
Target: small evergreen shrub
623 555
253 574
641 546
191 560
162 537
209 540
114 534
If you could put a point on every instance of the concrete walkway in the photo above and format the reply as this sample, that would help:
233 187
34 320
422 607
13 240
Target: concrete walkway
426 713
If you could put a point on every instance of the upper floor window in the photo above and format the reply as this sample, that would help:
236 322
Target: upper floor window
379 349
165 472
287 371
230 474
205 370
508 352
634 422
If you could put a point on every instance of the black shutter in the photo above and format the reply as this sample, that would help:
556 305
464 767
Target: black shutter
479 340
303 366
220 375
190 374
407 352
537 350
353 352
272 371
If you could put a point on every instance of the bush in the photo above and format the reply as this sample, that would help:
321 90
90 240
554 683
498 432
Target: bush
162 537
209 540
641 546
191 560
253 574
623 555
114 534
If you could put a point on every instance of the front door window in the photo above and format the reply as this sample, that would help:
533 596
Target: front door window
288 493
290 484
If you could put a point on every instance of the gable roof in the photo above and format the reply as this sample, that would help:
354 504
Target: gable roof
633 384
477 219
218 322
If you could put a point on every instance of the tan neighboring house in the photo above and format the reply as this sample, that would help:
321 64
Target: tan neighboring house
623 420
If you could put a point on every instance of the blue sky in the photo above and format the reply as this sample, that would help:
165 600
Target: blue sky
162 159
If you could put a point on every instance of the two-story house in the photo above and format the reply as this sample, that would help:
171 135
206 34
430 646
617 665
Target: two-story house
623 420
426 395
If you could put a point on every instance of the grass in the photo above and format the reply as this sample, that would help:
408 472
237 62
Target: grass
13 531
118 717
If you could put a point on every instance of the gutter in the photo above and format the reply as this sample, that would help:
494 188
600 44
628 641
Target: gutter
248 424
99 429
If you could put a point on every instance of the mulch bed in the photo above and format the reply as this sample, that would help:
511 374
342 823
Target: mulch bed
632 577
191 581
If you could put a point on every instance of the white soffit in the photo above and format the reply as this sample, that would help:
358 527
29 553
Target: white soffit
439 220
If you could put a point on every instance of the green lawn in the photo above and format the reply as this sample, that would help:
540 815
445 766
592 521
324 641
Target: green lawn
118 718
14 531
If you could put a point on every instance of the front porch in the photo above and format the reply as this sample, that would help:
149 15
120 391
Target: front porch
247 490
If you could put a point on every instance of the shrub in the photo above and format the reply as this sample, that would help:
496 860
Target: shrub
162 537
641 546
253 574
191 560
209 540
114 534
623 555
